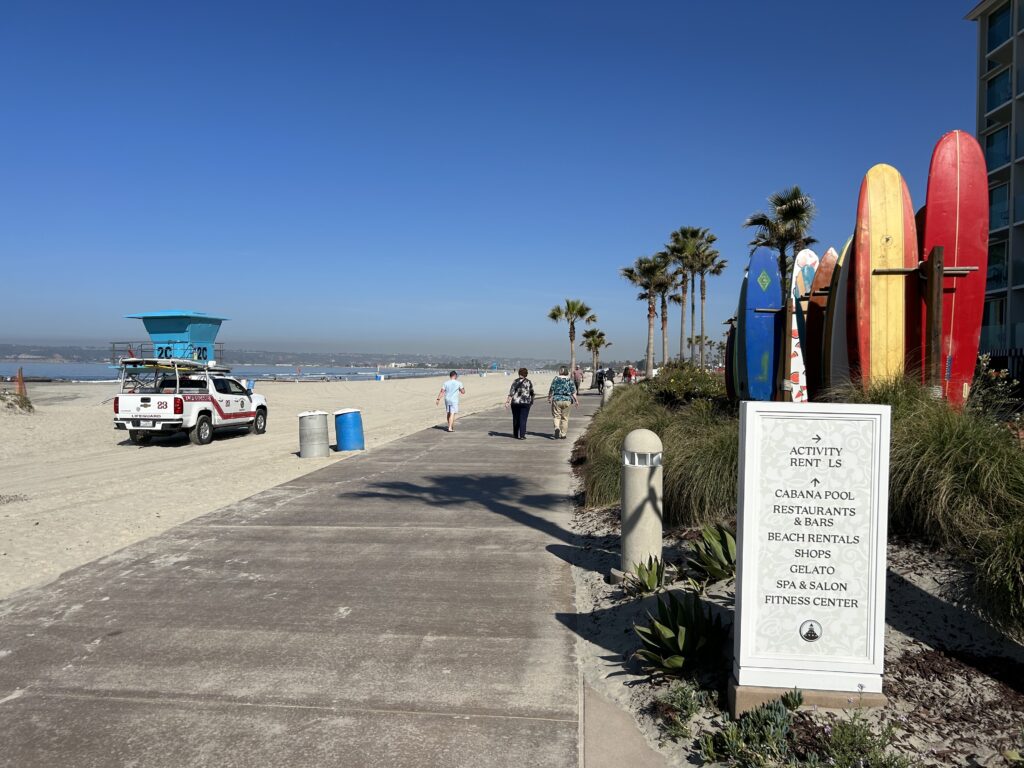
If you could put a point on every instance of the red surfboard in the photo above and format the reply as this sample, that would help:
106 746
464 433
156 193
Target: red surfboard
956 217
815 323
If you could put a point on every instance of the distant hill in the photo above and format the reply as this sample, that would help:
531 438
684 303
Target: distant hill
29 353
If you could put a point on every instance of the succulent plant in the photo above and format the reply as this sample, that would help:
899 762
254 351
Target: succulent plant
683 633
715 553
646 577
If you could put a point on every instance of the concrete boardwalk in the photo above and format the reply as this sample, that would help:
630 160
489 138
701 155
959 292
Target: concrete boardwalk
395 609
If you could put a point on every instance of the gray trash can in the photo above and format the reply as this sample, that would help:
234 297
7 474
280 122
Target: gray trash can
314 440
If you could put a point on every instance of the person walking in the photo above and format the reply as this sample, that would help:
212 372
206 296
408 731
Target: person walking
450 391
577 379
520 398
562 396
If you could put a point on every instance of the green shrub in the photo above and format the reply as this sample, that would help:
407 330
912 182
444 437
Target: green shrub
684 634
999 577
679 383
631 408
757 739
852 744
715 553
676 707
701 466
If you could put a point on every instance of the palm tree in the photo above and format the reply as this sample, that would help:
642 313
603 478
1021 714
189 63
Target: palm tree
573 310
648 274
666 284
593 340
688 247
784 226
711 263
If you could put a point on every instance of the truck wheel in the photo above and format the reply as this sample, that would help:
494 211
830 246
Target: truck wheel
139 438
259 423
202 432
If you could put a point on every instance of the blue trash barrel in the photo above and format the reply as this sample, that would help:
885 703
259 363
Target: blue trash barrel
348 425
380 377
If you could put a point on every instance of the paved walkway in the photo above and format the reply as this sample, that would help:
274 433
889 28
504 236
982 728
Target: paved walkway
395 609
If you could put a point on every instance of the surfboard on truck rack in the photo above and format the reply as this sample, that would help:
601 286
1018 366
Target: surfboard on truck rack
956 218
886 332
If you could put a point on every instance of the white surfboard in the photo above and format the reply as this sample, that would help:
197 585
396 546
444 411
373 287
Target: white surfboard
804 266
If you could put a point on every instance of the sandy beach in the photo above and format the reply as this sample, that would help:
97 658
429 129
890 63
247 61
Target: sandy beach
73 489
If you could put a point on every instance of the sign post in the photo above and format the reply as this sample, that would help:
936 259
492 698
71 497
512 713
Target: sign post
810 597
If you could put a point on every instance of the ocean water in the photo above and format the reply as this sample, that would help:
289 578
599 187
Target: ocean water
105 372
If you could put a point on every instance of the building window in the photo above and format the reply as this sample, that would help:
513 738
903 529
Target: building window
997 91
999 26
999 207
997 148
993 324
997 269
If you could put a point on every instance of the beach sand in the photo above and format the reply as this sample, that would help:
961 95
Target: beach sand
73 489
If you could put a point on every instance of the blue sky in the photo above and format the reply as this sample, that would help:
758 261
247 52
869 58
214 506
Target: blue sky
433 177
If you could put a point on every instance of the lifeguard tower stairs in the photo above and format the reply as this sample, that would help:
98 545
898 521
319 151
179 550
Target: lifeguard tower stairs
174 333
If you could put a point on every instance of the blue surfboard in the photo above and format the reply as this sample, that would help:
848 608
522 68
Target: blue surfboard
760 327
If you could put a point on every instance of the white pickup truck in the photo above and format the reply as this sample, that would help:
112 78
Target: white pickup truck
163 396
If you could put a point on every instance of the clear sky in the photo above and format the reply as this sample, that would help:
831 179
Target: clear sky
434 177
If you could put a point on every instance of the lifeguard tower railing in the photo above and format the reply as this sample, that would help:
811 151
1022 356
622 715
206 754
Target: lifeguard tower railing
166 350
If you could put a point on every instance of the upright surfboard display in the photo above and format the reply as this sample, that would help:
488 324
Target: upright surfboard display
760 327
835 350
814 323
886 293
804 266
956 217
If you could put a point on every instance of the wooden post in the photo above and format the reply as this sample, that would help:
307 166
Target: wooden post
19 384
785 354
933 318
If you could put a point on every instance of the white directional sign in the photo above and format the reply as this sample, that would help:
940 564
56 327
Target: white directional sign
813 505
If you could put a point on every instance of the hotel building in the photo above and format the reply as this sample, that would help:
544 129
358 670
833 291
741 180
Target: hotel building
1001 134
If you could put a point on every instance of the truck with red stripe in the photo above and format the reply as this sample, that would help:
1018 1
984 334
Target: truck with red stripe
161 396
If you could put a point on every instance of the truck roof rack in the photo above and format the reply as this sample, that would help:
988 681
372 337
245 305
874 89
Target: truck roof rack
172 363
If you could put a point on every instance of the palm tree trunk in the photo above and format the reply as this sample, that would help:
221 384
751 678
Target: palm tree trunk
649 362
682 327
693 323
593 369
572 347
703 298
664 329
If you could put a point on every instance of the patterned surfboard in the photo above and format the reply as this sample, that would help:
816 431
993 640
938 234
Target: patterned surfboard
804 266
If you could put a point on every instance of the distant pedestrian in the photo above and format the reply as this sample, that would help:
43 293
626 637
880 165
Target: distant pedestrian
577 379
599 379
450 391
562 396
520 398
627 374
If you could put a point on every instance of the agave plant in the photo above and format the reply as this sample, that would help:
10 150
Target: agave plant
715 553
646 577
683 633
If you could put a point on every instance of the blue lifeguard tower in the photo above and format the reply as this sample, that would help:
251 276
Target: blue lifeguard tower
175 333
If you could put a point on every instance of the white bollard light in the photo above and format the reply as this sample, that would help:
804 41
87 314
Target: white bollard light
641 498
606 394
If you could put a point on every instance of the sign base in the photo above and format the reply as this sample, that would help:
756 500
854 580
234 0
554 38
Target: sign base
743 698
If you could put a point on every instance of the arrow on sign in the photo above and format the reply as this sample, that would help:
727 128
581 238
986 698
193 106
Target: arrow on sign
815 481
817 438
